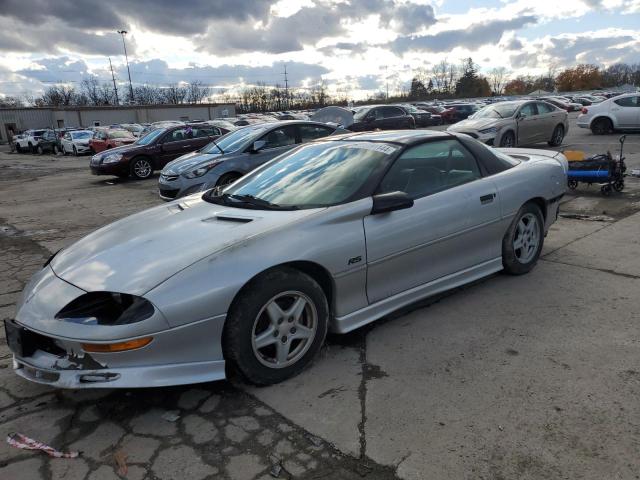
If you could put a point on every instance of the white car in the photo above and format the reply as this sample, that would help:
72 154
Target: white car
76 142
28 139
617 113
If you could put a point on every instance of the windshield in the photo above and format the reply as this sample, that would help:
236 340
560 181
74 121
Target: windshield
80 135
497 111
120 134
360 113
313 176
232 141
150 137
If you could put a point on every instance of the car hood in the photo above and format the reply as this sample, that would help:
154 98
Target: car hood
137 253
476 124
187 162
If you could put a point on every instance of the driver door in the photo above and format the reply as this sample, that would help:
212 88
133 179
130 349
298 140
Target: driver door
528 124
453 224
278 141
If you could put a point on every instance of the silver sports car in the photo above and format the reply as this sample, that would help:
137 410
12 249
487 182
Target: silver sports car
332 235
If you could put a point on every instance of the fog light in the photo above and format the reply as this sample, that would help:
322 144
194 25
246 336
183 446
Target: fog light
116 347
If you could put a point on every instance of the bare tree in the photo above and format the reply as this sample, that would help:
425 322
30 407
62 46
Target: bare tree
497 79
90 87
174 94
197 92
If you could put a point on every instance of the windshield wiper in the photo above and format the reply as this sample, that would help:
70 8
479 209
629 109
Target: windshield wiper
258 202
217 146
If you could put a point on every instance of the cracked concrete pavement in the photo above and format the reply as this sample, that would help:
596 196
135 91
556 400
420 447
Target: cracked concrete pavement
510 377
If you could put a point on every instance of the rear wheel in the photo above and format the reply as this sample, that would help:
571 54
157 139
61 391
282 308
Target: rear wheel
572 184
618 185
508 140
55 150
276 326
39 150
18 148
141 168
557 136
522 244
601 126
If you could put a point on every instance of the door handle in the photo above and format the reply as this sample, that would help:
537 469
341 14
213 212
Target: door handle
484 199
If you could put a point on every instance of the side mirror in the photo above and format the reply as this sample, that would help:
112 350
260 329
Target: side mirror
257 146
389 202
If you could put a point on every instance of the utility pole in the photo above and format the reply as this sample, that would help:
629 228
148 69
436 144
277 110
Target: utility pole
286 86
113 77
123 33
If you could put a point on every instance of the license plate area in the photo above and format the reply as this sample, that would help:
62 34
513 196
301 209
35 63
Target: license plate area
21 341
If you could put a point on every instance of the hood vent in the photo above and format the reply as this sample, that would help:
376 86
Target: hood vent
225 218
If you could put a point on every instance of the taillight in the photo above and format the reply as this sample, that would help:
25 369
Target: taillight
584 110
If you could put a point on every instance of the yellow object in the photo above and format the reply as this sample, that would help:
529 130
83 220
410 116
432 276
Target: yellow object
574 155
116 347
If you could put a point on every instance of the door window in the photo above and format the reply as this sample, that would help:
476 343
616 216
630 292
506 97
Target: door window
280 137
177 135
544 108
528 110
430 168
390 112
311 132
628 102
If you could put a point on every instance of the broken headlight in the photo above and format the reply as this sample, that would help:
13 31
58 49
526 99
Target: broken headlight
106 308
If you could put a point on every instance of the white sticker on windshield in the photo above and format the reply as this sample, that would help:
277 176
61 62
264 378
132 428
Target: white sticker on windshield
376 147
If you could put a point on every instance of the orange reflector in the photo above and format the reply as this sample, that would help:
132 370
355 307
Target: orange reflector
116 347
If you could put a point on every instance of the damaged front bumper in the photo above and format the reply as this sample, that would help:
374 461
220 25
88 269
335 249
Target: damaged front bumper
63 354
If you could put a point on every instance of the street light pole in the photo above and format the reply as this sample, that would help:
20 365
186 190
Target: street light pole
123 33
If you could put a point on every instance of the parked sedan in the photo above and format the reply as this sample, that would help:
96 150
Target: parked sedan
76 142
617 113
110 138
327 236
421 117
225 160
462 111
381 117
153 151
523 122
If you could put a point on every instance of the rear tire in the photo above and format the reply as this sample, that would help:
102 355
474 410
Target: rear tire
601 126
55 150
522 244
18 148
557 136
291 332
39 150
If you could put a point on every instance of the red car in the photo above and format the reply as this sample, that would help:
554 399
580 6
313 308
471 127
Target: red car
106 139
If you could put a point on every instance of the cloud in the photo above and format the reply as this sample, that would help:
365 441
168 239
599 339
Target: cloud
56 70
311 24
568 49
472 38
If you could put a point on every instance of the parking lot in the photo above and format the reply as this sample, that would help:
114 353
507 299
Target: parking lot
531 377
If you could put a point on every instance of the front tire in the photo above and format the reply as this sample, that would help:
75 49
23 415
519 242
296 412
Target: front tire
276 326
522 244
55 150
227 179
75 151
141 168
39 150
508 140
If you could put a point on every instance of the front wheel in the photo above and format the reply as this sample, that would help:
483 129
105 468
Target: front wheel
39 150
522 244
276 326
141 168
572 184
227 179
75 151
55 150
618 185
508 140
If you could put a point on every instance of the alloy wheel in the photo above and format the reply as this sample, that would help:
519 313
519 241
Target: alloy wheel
142 168
284 329
527 238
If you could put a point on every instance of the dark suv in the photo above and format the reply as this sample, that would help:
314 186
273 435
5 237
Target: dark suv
48 141
153 151
381 117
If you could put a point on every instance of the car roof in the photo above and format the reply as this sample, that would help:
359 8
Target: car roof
403 137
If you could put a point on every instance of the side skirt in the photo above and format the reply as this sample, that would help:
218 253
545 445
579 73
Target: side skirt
379 309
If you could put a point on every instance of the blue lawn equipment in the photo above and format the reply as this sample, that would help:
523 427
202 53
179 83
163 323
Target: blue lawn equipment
602 169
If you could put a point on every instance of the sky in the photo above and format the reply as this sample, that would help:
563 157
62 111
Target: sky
357 47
